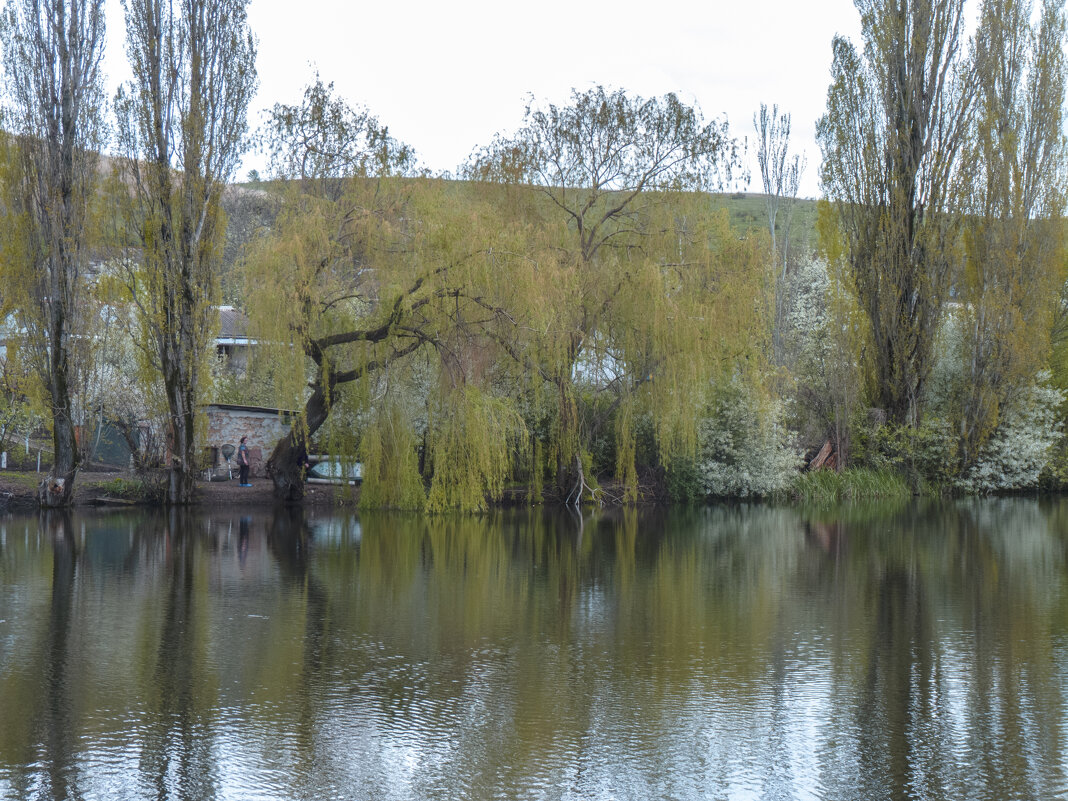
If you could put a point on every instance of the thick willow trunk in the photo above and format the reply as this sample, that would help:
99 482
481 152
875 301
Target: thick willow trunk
57 490
286 463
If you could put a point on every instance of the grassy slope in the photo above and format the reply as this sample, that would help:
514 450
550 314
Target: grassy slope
749 213
252 212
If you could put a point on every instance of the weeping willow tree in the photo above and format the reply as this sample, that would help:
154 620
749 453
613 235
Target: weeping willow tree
388 451
181 131
373 290
375 306
1014 237
51 59
637 294
471 448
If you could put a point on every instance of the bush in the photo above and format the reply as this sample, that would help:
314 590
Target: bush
146 488
684 483
1022 446
924 456
744 447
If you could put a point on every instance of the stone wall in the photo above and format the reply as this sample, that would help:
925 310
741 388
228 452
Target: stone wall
228 423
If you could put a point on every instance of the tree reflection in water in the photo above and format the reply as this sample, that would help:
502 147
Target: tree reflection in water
865 652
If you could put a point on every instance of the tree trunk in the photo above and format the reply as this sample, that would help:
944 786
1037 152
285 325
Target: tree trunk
286 463
57 490
568 455
181 398
182 479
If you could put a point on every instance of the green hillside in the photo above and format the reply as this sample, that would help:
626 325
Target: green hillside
749 211
251 209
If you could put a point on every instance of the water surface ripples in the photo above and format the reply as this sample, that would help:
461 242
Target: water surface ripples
736 653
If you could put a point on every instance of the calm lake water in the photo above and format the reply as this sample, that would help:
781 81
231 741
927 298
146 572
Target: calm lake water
867 652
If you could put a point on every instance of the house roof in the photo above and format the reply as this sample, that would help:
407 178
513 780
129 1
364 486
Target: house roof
233 324
240 407
285 414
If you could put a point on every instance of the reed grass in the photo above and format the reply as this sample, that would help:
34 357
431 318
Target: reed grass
827 486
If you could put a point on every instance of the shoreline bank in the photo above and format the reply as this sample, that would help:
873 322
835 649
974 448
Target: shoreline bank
18 493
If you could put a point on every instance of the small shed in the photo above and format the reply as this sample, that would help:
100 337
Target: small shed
228 422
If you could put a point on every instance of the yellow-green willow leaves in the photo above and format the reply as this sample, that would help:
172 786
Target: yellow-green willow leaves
391 478
643 294
471 449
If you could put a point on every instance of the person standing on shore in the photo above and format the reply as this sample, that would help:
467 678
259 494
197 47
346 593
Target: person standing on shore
243 463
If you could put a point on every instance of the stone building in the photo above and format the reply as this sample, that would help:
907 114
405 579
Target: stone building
228 422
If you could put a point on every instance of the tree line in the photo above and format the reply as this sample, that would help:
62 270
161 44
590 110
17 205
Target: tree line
574 312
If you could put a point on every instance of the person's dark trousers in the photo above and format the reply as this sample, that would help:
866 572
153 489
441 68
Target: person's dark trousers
244 474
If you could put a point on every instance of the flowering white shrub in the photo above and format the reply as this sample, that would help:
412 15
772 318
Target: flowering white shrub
744 447
807 311
1028 426
822 333
1021 445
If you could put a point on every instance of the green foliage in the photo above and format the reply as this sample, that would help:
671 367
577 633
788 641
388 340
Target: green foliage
1014 243
639 293
823 335
684 482
49 172
1023 414
17 412
829 486
474 440
922 455
892 169
323 140
1022 446
407 288
1054 475
744 448
1026 442
610 141
147 489
625 468
592 312
181 131
391 477
781 177
253 386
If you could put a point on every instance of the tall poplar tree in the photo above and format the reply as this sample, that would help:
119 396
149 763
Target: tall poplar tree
51 57
182 127
1014 232
780 176
892 138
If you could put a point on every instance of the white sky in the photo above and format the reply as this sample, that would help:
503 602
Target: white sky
446 76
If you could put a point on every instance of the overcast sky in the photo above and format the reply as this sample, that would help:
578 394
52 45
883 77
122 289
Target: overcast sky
446 76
